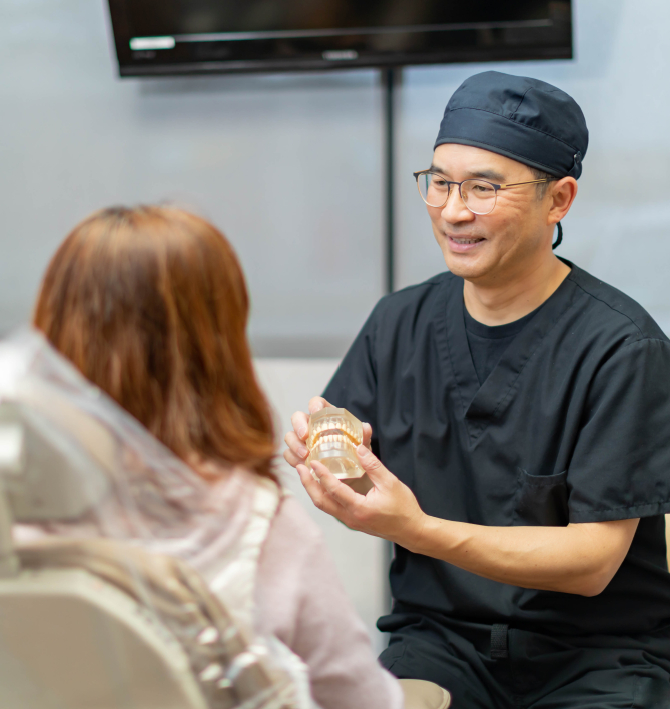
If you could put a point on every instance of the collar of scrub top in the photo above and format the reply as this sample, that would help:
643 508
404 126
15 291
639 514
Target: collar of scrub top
524 119
483 403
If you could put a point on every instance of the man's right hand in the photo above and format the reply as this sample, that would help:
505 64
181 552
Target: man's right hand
296 453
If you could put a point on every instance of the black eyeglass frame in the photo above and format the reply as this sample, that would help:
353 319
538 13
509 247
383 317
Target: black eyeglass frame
496 187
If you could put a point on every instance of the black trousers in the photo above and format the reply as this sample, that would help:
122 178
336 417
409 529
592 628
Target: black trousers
495 667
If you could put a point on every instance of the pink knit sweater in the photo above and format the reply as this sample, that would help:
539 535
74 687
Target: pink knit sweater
301 601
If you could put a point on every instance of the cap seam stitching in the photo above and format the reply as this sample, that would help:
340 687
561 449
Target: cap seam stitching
522 99
537 130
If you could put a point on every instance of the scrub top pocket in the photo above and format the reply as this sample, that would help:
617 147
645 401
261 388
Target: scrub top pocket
541 500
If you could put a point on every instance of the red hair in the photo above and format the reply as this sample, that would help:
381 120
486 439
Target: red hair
150 304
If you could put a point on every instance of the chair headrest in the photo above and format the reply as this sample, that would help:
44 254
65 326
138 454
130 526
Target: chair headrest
46 474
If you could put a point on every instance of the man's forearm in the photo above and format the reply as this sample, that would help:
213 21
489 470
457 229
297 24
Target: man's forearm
579 558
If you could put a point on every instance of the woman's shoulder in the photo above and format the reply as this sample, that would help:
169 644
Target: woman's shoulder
293 520
289 520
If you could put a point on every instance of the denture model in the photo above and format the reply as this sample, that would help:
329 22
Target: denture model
332 439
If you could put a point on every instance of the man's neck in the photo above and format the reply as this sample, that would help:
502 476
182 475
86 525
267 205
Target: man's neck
509 300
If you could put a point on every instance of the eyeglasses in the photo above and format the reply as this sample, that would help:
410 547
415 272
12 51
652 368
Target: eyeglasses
479 196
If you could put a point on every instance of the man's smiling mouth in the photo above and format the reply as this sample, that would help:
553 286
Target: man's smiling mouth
464 244
465 241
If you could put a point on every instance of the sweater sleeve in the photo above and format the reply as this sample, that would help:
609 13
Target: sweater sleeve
301 601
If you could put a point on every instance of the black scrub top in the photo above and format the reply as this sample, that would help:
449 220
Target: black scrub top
487 343
572 425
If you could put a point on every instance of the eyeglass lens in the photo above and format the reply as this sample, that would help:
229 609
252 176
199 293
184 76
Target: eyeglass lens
479 196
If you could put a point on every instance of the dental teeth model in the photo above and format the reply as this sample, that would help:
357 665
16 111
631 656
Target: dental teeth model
332 439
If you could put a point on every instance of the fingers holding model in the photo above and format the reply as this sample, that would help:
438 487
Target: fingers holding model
388 510
296 451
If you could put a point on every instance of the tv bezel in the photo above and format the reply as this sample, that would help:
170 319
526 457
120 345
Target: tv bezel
514 52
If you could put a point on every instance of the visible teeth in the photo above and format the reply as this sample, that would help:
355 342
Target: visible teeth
467 241
333 438
335 430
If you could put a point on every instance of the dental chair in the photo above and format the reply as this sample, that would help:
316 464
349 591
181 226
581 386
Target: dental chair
101 623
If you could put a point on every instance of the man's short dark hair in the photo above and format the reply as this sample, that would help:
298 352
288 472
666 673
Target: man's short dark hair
542 186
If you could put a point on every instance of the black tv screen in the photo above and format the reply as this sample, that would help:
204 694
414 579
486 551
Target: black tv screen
198 36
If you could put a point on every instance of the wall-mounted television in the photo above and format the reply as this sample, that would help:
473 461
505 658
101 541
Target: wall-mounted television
162 37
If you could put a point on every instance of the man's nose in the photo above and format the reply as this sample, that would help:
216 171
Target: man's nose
455 211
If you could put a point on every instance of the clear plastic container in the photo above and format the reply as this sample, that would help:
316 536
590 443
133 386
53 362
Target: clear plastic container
332 439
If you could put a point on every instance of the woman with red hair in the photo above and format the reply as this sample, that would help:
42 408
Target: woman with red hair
150 304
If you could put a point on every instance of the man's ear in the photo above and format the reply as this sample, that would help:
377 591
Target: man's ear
562 195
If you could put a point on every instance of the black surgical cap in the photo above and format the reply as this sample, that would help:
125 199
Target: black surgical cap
521 118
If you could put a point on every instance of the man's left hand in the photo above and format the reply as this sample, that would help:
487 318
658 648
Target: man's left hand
389 510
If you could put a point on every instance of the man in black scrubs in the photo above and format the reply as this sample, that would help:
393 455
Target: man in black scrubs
523 407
